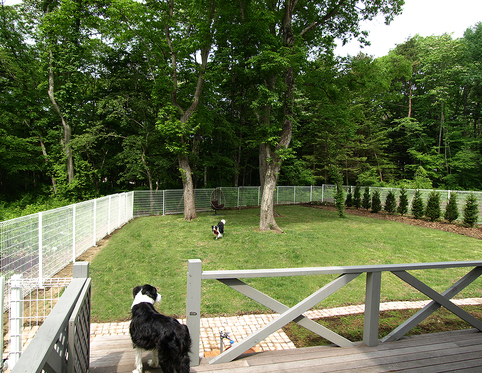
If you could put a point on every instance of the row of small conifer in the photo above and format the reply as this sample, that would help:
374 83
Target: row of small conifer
431 209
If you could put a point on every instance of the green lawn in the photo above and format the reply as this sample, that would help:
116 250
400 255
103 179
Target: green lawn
156 249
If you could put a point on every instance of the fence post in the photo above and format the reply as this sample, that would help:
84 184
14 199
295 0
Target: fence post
322 192
119 200
80 270
2 290
193 306
40 249
131 207
94 223
372 308
73 233
16 312
108 215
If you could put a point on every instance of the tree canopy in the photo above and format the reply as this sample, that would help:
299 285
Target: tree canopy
98 97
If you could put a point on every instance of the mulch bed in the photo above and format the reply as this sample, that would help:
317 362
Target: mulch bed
475 232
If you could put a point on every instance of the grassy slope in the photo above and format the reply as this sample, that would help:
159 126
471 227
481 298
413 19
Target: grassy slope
155 250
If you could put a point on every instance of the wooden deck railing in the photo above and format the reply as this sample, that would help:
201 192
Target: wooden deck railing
62 343
295 313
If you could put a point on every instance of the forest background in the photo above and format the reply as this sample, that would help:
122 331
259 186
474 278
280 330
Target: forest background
99 97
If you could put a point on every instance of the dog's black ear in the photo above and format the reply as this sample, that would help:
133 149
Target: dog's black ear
136 290
212 226
149 290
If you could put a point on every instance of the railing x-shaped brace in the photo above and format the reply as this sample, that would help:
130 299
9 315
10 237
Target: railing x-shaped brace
295 313
439 300
287 315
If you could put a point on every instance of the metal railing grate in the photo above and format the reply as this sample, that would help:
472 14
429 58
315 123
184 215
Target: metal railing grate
31 302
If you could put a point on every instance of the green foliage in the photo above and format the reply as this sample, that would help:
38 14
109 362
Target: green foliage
391 203
432 209
366 202
452 210
422 180
340 195
30 204
376 201
349 200
417 205
402 208
471 210
357 197
130 98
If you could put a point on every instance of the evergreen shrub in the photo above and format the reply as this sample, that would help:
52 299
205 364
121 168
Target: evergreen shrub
402 208
390 203
417 205
452 210
432 210
471 210
357 197
376 202
366 203
349 200
340 194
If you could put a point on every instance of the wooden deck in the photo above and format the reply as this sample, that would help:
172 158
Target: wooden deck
459 351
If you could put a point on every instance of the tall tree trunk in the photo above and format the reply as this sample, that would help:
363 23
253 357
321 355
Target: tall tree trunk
271 164
66 126
183 158
269 157
410 98
188 188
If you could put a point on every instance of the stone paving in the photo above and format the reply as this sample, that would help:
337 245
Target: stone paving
239 327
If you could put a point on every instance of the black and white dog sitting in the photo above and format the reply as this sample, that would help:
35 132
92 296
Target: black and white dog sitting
218 230
168 339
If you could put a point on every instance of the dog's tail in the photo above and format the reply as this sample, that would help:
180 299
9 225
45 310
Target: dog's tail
223 221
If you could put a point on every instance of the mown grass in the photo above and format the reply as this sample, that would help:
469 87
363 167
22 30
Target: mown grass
156 249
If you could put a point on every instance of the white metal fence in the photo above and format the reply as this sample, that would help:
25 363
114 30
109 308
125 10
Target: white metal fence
164 202
27 313
49 330
39 245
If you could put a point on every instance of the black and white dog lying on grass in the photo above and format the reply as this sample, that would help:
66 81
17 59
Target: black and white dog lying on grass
168 339
218 230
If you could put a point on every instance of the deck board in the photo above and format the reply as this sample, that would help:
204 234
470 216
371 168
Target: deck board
429 353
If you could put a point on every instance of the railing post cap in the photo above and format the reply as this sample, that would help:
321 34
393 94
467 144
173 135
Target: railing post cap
80 270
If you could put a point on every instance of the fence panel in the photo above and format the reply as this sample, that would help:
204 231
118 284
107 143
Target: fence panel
231 196
56 242
302 194
84 226
39 245
249 196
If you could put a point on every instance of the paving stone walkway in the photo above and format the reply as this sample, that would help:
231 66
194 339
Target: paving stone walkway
239 327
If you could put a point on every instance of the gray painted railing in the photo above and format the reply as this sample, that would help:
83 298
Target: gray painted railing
62 343
295 313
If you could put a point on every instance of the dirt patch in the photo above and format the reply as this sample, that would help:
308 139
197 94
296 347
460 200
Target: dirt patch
475 232
86 256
